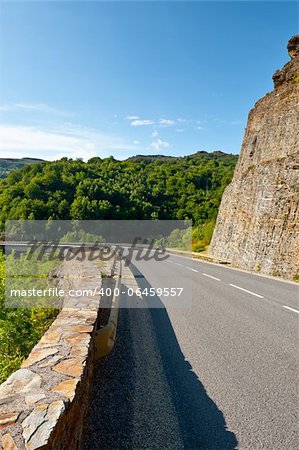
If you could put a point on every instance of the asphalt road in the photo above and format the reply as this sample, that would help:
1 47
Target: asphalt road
218 371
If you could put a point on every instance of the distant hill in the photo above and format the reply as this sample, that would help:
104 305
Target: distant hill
152 158
149 158
7 165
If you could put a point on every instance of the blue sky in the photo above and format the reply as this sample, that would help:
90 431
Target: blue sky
122 78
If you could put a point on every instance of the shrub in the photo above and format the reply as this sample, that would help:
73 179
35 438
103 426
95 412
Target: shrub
20 329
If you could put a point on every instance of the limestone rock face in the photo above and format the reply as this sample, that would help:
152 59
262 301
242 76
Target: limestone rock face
293 46
258 222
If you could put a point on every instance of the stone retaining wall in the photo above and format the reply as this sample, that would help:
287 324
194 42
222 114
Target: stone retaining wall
44 404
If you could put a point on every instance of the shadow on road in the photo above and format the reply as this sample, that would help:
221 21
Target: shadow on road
146 395
202 424
110 415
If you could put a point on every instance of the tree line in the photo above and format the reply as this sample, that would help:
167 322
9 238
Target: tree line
142 187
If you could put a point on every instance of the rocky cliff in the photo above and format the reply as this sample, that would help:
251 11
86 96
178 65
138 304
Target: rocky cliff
258 221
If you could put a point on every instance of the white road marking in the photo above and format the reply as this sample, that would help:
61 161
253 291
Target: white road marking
178 264
190 268
245 290
291 309
211 276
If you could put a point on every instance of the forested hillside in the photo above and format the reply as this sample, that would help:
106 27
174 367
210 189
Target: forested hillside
142 187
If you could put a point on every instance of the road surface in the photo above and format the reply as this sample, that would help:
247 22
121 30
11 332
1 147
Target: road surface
220 373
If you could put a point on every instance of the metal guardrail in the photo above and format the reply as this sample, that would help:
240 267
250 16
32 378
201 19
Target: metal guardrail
104 338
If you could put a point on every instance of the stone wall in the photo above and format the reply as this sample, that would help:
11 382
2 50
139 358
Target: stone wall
44 404
257 224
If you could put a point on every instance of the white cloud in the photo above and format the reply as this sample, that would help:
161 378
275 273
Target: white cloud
199 127
167 122
32 107
141 123
52 143
155 134
179 130
136 142
159 144
136 121
132 117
